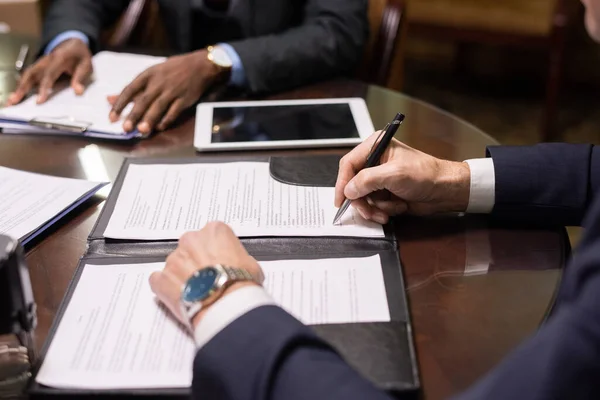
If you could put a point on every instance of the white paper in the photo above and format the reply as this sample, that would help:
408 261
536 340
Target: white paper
112 72
165 201
30 200
329 291
114 334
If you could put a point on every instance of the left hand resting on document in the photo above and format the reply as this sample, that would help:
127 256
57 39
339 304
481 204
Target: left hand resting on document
163 91
214 244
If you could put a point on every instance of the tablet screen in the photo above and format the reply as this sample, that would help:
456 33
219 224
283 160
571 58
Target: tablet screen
279 123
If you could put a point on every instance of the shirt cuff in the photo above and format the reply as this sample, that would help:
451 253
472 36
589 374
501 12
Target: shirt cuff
483 186
58 39
238 75
228 309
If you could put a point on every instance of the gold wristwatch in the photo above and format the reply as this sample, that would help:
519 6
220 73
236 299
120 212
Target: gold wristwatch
220 59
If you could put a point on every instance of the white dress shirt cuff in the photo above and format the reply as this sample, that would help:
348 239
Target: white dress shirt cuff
483 186
229 308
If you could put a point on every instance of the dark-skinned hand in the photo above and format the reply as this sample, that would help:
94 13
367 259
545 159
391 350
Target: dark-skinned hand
163 91
72 57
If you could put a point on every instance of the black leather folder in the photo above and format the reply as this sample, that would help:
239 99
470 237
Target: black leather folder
383 352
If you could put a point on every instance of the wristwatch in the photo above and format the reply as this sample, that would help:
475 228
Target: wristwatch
206 286
219 58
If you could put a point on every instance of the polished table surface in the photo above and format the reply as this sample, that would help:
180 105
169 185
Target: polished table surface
475 289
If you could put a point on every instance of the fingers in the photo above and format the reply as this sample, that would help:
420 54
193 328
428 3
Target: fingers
390 207
154 113
370 212
369 180
26 83
49 78
140 106
167 288
174 111
82 73
127 96
350 164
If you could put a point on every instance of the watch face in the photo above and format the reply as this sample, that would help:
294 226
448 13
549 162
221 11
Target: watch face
221 58
200 285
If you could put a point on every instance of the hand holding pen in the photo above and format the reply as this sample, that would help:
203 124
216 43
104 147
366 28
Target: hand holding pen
405 180
378 148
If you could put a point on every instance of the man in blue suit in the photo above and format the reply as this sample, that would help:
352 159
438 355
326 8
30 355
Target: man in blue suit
248 348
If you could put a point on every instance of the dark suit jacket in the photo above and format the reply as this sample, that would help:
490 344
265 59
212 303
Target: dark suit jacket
547 183
282 43
267 354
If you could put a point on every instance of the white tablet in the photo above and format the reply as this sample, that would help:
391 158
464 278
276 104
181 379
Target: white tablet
281 124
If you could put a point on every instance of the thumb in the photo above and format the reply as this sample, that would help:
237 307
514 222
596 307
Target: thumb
367 181
81 75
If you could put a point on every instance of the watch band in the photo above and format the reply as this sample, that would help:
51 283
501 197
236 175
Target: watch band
237 274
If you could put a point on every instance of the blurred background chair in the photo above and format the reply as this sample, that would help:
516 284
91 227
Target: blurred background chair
383 60
523 23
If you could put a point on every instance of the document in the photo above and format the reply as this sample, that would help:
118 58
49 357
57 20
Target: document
122 338
165 201
329 291
30 201
119 337
112 72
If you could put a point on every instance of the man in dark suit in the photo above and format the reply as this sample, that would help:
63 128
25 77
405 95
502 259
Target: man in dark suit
544 183
249 348
257 45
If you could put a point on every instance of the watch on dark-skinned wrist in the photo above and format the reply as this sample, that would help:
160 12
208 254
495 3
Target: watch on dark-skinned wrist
223 64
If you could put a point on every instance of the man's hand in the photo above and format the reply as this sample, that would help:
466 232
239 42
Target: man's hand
72 57
214 244
407 180
163 91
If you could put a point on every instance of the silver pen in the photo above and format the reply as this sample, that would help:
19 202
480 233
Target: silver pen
20 63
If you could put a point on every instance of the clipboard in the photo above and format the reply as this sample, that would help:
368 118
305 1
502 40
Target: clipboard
69 114
63 125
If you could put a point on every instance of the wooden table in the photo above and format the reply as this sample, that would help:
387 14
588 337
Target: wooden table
475 290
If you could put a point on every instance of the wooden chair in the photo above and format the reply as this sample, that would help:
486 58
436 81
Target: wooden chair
382 62
525 23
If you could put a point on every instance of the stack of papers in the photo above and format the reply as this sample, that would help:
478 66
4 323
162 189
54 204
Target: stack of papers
122 338
112 72
32 202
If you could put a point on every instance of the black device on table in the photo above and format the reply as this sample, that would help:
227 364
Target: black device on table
17 317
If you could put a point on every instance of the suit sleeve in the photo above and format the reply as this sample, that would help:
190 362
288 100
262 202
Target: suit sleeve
86 16
329 42
546 183
267 354
561 360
